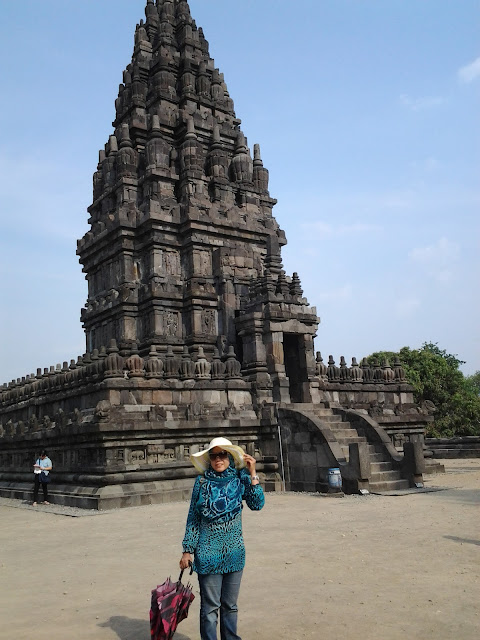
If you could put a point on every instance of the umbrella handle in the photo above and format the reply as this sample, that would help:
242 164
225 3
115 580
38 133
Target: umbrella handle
181 572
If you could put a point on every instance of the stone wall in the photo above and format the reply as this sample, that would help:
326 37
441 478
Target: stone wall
466 447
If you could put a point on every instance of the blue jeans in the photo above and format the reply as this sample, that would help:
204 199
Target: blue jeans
219 591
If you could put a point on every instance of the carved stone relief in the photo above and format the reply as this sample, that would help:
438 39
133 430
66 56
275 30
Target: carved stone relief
137 455
158 454
171 323
171 263
208 322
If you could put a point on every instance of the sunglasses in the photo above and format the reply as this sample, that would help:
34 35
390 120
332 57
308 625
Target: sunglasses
222 455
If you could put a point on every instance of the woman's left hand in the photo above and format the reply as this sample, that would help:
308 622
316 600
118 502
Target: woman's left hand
250 462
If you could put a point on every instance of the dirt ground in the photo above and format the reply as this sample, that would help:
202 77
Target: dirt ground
359 567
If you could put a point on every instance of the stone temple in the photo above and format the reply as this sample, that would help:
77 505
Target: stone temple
193 329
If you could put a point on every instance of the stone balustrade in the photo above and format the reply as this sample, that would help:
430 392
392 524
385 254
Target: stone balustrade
365 373
107 364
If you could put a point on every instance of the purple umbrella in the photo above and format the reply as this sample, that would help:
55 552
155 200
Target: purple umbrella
170 603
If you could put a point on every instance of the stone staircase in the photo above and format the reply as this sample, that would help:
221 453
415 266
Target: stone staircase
384 476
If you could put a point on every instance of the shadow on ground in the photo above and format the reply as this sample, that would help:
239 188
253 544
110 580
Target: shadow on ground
467 496
463 540
133 629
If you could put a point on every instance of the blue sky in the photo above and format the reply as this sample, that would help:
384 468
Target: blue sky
366 112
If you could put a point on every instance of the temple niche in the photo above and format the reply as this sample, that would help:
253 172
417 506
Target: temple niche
193 327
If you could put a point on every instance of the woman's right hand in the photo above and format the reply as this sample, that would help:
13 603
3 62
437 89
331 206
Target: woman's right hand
185 560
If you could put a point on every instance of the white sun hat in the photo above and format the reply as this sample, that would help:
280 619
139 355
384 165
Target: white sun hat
201 460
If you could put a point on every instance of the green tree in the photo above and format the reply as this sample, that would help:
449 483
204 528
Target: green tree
473 382
435 376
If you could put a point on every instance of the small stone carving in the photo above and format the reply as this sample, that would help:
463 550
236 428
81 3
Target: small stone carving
113 362
344 373
154 365
375 409
134 363
205 263
377 373
428 407
191 151
367 372
171 263
320 367
21 428
232 365
356 374
241 167
33 423
282 288
202 366
172 364
217 159
260 174
388 375
399 439
399 409
208 322
137 455
196 411
266 411
295 286
171 323
333 372
399 371
230 411
222 345
157 149
187 366
60 419
218 367
102 410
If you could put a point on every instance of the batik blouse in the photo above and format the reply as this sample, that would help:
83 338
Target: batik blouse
214 524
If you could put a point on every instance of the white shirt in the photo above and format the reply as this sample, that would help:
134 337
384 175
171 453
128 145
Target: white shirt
46 462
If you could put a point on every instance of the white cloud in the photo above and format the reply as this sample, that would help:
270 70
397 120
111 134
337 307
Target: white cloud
437 259
441 252
421 104
469 72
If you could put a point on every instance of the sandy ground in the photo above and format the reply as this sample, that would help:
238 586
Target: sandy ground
359 567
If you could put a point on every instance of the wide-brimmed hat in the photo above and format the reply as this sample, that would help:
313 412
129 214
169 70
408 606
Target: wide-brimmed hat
201 460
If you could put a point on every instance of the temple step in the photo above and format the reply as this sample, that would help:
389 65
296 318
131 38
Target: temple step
378 467
348 434
385 476
378 458
388 485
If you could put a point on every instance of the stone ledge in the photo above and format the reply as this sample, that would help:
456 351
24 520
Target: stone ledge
102 498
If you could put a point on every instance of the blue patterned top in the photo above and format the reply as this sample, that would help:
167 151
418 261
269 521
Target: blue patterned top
214 524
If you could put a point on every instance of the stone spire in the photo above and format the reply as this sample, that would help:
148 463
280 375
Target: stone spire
180 208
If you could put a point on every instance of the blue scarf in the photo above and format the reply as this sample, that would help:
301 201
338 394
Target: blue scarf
221 494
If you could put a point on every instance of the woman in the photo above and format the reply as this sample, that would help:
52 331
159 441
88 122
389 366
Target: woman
41 469
213 537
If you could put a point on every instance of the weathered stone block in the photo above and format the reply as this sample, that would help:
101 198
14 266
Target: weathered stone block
162 397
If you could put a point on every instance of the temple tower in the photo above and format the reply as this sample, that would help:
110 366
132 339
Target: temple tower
181 221
192 326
